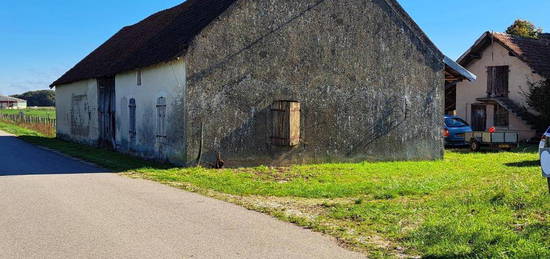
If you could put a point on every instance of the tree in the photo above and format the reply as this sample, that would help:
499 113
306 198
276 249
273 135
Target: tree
525 29
42 98
537 97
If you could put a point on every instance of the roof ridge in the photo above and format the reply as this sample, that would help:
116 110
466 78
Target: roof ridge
544 36
533 52
158 38
411 23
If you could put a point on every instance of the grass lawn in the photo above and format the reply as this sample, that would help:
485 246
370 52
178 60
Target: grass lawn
39 112
470 205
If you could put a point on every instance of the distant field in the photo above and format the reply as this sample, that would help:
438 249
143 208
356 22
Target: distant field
45 112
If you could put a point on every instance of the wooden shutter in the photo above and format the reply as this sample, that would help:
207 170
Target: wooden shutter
286 123
161 117
502 81
491 77
132 108
497 81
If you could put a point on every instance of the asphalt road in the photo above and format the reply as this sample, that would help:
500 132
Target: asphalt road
52 206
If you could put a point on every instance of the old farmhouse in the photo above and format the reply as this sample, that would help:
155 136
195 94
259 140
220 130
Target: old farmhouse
262 82
506 65
7 102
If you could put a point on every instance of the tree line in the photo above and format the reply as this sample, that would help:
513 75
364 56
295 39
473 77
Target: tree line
41 98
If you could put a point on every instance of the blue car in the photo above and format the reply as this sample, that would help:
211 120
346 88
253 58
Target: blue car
545 141
454 130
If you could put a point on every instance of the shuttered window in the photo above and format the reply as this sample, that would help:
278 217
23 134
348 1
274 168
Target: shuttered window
139 74
161 117
497 81
286 123
501 116
132 109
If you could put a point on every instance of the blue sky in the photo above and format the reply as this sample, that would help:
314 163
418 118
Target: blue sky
40 40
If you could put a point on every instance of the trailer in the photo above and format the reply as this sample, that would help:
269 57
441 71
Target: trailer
495 140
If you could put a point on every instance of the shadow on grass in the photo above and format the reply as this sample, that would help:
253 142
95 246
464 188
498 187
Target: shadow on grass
532 163
522 149
107 159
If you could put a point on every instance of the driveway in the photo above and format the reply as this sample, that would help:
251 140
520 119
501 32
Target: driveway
52 206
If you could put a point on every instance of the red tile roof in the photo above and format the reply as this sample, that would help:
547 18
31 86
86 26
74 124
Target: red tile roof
534 52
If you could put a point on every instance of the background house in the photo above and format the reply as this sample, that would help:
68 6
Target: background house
7 102
506 65
262 82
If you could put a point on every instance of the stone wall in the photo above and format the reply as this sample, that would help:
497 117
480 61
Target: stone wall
370 88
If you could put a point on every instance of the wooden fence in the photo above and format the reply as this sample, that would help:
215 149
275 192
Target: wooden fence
22 118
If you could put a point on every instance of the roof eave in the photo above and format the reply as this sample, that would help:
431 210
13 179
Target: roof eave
463 72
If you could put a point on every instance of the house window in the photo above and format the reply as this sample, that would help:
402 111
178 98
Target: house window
132 128
497 81
139 77
501 116
161 118
286 123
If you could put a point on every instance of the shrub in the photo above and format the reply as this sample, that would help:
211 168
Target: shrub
537 97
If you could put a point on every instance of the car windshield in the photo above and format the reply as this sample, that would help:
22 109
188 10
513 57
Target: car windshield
455 123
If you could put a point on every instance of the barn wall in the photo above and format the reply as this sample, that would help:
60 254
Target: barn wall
76 111
369 88
520 76
165 80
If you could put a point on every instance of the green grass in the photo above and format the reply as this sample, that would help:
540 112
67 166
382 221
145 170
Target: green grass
39 112
469 205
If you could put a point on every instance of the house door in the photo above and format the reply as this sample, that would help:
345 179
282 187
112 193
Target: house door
479 117
106 112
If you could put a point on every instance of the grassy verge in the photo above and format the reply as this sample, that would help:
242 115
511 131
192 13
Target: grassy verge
471 205
37 112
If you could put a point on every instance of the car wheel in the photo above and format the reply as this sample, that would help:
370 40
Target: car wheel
475 146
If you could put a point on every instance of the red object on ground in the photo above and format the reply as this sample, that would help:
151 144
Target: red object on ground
492 130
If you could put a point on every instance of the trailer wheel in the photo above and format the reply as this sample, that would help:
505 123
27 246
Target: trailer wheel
475 146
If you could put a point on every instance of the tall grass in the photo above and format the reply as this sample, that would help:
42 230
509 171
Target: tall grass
42 112
46 128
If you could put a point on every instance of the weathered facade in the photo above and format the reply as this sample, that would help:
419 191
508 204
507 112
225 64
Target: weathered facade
263 82
506 65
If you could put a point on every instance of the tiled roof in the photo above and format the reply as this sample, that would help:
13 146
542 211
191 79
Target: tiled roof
4 98
159 38
166 35
534 52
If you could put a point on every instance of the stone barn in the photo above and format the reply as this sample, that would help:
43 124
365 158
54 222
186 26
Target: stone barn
261 82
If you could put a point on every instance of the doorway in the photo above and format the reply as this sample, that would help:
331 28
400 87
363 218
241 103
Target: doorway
107 112
479 117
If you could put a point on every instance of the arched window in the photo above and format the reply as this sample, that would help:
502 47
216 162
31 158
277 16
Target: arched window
132 128
161 118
